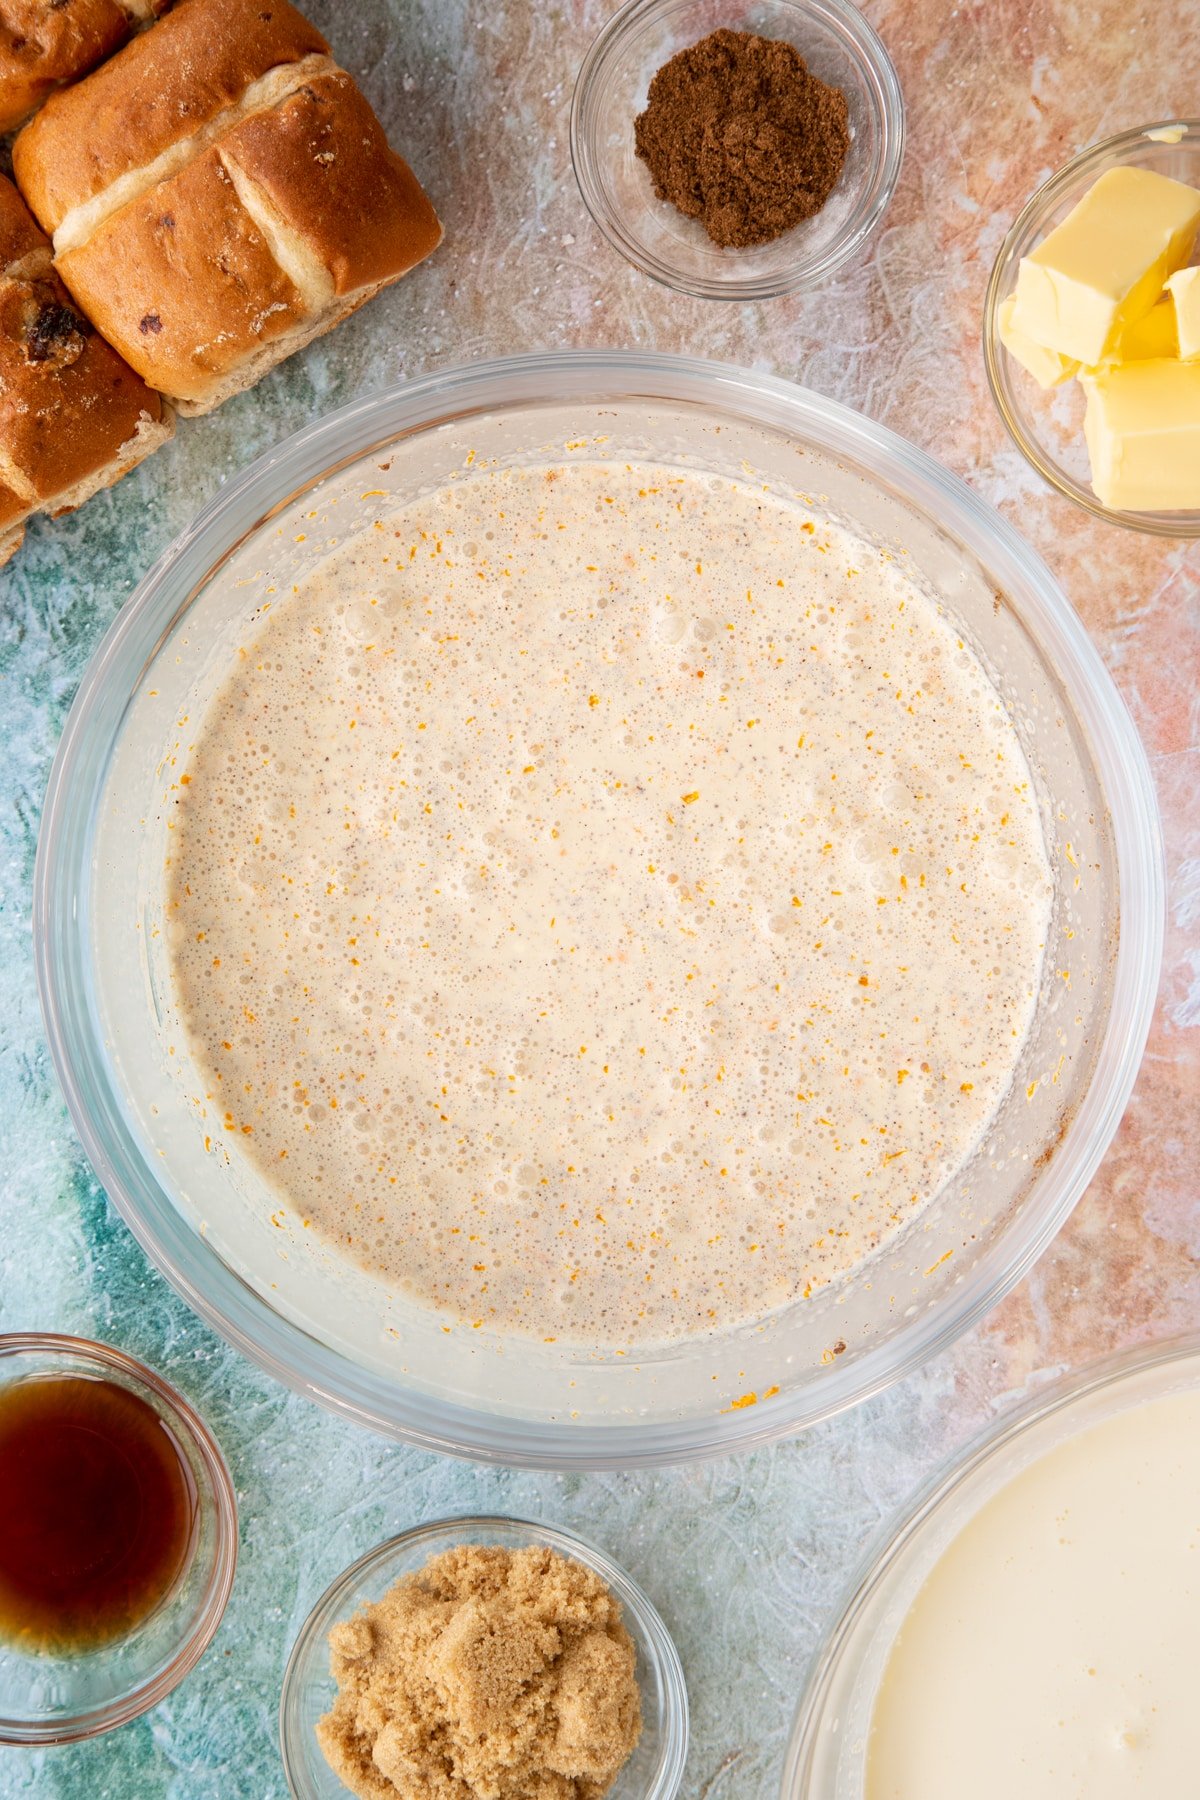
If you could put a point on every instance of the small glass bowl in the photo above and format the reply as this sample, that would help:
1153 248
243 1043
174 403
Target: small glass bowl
837 44
655 1769
1047 424
48 1698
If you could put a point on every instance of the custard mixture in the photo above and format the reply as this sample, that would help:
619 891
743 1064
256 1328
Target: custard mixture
1051 1654
606 900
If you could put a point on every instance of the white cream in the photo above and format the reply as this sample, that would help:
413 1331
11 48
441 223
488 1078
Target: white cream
1052 1652
609 900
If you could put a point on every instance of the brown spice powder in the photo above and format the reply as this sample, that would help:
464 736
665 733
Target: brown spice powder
738 134
491 1674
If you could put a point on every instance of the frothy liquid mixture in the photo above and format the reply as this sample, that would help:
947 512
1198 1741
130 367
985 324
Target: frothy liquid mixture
607 900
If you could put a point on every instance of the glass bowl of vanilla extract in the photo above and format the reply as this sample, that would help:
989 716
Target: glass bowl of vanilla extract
118 1538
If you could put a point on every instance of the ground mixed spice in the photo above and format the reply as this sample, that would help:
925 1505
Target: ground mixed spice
739 135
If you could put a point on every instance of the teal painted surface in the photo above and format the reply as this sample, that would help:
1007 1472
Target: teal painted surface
745 1558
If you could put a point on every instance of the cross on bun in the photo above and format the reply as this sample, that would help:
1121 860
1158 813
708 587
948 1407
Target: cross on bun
219 193
46 43
73 417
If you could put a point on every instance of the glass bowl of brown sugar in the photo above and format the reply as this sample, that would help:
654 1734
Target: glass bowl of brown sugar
652 1771
838 48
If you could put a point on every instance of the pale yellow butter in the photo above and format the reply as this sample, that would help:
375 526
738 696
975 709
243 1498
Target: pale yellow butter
1047 367
1106 264
1184 288
1143 434
1153 335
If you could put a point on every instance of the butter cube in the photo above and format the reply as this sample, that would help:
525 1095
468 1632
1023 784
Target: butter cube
1153 335
1047 367
1184 288
1107 263
1143 434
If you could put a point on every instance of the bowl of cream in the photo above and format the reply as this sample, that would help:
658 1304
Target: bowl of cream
597 908
1029 1626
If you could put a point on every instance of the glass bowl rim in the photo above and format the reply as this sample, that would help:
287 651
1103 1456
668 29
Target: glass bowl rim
879 74
1028 225
88 1722
949 1475
634 1601
294 1354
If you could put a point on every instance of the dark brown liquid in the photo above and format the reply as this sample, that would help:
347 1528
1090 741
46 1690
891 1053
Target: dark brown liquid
97 1511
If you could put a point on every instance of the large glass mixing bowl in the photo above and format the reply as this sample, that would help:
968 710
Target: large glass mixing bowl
337 1333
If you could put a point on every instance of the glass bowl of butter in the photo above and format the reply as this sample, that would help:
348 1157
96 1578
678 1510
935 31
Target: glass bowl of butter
1091 329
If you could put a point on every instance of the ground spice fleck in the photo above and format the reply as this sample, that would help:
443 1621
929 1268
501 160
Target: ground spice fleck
739 135
490 1674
